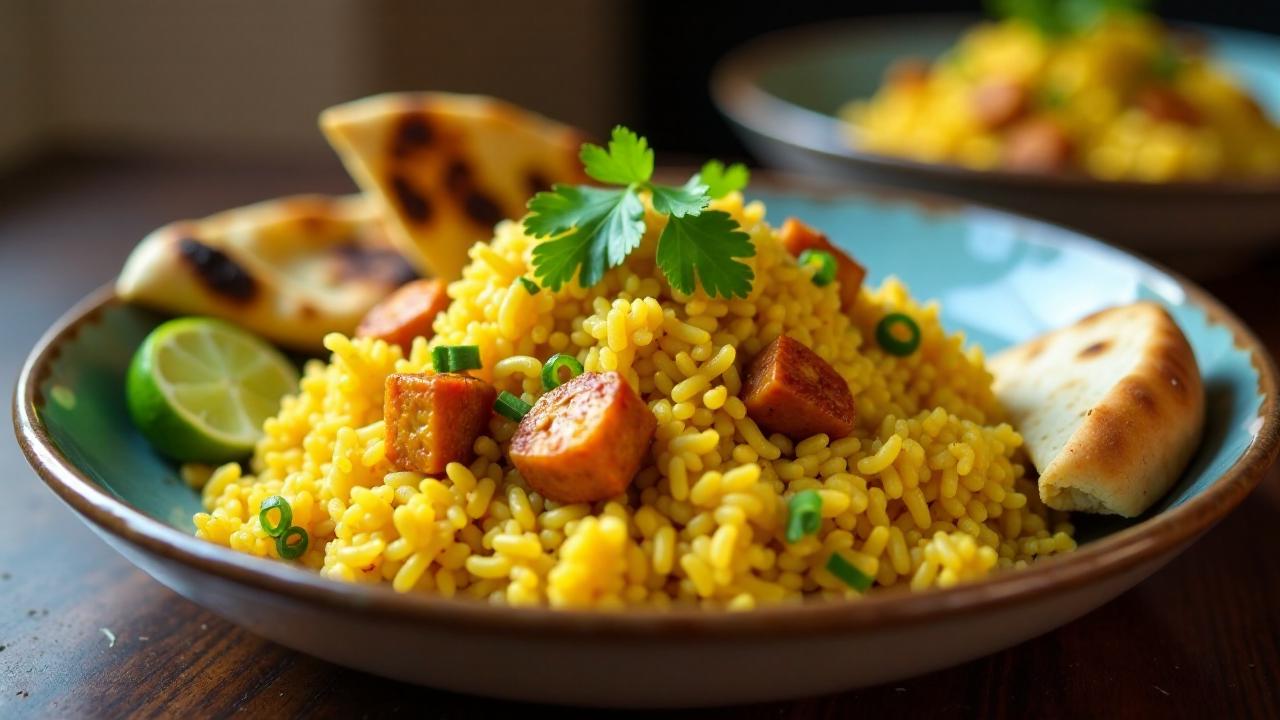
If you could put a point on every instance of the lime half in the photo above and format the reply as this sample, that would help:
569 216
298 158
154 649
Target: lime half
199 389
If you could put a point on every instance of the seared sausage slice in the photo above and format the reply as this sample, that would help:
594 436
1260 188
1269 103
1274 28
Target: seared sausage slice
433 420
584 440
1165 105
406 313
1037 145
797 237
997 103
790 390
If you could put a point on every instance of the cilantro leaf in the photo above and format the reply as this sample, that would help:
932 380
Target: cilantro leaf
593 230
706 244
587 230
628 159
680 201
721 181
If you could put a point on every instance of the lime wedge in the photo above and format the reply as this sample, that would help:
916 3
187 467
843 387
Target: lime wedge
199 389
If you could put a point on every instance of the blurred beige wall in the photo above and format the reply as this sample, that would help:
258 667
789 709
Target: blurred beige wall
20 126
247 77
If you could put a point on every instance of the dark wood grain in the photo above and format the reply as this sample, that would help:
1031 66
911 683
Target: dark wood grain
1200 639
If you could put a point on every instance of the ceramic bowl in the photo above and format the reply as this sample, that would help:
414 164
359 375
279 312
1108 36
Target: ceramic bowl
781 92
1000 279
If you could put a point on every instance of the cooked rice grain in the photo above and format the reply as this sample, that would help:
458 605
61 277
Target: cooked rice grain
928 491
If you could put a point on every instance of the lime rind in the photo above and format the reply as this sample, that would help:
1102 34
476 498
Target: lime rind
200 389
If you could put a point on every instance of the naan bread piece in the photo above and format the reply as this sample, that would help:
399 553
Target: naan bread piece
1111 408
291 269
449 167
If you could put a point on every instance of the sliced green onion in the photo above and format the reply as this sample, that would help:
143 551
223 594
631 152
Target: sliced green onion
551 370
464 357
804 515
275 502
292 543
511 407
455 358
440 358
847 573
888 340
826 263
530 286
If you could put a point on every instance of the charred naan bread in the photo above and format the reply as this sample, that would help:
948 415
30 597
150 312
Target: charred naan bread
1111 408
449 167
291 269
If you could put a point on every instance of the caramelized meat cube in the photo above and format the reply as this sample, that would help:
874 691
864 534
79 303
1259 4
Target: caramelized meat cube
790 390
997 103
433 420
797 237
405 314
1165 105
1037 145
585 440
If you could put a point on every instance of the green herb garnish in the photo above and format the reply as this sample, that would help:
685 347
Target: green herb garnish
1167 62
847 573
825 263
888 337
292 543
285 516
551 370
721 180
511 407
1060 18
804 515
593 229
455 358
529 286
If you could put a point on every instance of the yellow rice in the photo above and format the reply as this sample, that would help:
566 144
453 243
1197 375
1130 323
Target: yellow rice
928 491
1093 76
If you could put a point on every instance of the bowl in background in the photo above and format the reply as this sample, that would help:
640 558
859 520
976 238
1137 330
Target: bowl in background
781 93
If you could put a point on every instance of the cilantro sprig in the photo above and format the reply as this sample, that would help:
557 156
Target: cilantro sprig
591 229
1060 18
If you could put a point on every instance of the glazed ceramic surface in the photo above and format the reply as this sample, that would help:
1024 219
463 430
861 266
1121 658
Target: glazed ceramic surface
781 93
1000 280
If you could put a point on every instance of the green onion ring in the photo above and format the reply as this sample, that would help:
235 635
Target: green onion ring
848 574
464 357
275 502
294 550
440 359
804 515
551 370
890 343
826 263
511 407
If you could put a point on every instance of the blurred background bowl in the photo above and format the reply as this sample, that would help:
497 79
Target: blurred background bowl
781 93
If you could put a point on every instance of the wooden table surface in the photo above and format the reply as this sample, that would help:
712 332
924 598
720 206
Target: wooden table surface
1199 639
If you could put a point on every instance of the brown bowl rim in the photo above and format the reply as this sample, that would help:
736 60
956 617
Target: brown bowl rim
1144 542
740 98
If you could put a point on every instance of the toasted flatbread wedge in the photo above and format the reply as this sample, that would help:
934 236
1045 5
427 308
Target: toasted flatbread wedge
291 269
449 167
1111 408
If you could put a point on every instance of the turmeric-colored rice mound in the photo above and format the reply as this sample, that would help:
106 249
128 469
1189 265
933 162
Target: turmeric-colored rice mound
1092 85
928 491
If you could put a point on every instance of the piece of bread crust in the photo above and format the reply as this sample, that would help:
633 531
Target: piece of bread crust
1111 408
291 269
446 168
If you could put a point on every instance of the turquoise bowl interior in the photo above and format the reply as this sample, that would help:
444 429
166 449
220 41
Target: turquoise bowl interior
1000 280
